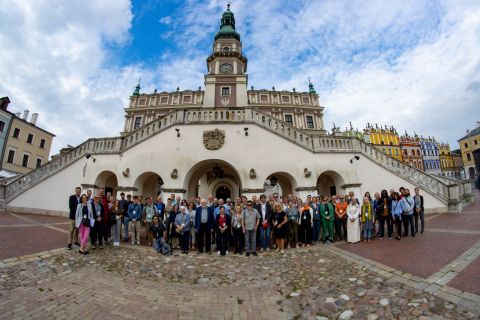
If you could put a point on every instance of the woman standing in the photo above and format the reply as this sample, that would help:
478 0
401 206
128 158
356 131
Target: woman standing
222 224
367 219
341 218
306 224
83 215
353 226
191 211
182 227
397 210
237 233
116 214
299 205
279 220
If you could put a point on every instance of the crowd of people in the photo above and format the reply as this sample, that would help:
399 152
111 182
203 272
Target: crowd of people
244 224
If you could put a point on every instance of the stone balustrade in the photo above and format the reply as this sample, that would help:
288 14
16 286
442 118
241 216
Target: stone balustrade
315 143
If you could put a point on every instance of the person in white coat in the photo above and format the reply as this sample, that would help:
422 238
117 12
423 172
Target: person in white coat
353 224
83 217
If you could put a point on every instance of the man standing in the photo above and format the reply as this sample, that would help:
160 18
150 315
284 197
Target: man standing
126 218
419 210
408 205
73 202
149 211
160 208
327 213
221 204
203 225
265 210
251 219
135 214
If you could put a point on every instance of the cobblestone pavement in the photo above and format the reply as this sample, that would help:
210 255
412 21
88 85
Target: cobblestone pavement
136 282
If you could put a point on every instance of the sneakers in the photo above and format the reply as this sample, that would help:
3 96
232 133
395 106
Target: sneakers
226 252
218 253
69 246
282 252
116 243
268 249
261 250
138 243
133 242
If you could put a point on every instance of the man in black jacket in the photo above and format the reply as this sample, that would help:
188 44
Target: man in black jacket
265 210
73 202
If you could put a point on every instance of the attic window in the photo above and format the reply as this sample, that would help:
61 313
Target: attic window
226 49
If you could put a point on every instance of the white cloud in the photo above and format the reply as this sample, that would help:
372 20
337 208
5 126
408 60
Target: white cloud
52 60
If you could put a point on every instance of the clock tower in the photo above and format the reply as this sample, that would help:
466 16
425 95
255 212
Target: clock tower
226 80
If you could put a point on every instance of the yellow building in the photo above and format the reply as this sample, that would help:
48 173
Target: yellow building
446 160
27 146
470 148
385 139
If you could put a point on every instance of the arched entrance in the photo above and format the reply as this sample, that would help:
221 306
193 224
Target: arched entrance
329 183
108 181
280 182
148 184
215 177
223 192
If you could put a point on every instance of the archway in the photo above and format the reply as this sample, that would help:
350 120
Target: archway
329 183
208 176
280 182
148 184
108 181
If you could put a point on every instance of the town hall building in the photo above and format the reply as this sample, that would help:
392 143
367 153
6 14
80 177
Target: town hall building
226 139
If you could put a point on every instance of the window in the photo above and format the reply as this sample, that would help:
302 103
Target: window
382 142
390 151
30 138
16 133
42 143
466 145
164 100
225 91
396 152
2 126
138 123
11 156
418 152
39 163
475 142
405 152
469 157
25 160
310 122
285 99
263 98
226 49
289 119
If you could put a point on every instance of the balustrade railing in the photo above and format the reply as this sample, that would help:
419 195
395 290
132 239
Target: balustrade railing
314 143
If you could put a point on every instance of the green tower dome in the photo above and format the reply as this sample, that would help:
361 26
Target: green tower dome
227 27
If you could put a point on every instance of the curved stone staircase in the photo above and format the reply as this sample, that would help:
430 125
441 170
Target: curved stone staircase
452 193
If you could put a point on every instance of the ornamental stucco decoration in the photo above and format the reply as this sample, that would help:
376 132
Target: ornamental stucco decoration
213 139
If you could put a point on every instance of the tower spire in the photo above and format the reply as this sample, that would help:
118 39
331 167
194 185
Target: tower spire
137 89
227 26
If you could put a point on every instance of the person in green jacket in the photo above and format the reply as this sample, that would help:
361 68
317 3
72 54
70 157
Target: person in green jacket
327 214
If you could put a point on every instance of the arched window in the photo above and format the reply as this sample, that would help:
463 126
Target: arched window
226 49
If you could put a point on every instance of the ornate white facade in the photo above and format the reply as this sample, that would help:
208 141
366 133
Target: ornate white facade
226 141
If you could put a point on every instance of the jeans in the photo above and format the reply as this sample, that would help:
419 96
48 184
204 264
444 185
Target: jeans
157 244
84 233
250 241
341 228
367 229
203 236
420 214
238 240
408 220
316 230
292 233
381 221
264 237
126 220
135 228
96 233
73 233
115 230
184 240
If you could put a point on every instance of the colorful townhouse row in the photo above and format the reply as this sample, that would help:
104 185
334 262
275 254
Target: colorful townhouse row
425 154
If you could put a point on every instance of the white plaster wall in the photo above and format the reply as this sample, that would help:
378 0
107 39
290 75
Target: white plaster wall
262 150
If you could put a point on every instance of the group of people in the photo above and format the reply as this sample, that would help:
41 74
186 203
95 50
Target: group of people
274 223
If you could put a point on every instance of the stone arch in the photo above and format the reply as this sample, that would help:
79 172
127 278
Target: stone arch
201 179
329 183
148 184
108 181
283 184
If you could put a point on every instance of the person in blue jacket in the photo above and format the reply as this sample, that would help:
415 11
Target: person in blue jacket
397 210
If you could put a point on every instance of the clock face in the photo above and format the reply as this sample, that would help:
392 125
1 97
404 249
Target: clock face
226 68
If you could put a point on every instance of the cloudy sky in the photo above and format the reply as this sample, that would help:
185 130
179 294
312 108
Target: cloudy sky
411 64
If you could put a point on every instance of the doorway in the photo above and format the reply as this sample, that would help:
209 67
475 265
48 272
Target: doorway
223 192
